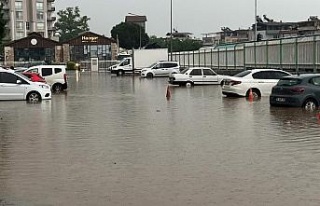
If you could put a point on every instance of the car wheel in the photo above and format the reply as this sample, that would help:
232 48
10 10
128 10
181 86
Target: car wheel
120 73
33 97
189 84
255 93
310 105
57 88
150 75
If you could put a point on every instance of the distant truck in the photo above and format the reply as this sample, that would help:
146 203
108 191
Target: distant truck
140 58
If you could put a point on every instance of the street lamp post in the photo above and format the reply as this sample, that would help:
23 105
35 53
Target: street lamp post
139 29
255 20
171 30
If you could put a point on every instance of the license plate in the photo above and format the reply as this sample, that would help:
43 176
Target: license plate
280 99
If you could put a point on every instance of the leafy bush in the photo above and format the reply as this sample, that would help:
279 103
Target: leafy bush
71 65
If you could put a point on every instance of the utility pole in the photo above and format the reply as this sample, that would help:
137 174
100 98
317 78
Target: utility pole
171 30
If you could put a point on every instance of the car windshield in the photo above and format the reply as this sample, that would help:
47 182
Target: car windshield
242 74
288 82
152 65
184 71
22 76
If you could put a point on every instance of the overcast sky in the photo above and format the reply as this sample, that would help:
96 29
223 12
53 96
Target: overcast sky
194 16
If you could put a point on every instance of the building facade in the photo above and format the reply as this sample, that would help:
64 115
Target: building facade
28 16
35 49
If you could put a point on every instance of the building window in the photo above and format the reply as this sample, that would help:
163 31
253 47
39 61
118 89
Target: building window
39 6
19 15
19 34
19 24
40 15
18 5
27 25
40 26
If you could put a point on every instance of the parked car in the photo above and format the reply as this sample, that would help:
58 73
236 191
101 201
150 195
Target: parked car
196 75
55 76
161 69
297 91
260 81
14 86
35 77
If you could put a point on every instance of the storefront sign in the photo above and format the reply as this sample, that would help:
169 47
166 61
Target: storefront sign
89 39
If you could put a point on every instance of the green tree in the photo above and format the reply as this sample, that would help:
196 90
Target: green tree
129 35
3 23
70 23
177 44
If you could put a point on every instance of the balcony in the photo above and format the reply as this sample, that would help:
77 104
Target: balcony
50 0
51 29
52 18
51 8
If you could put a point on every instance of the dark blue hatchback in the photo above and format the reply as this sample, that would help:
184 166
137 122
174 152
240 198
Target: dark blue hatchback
297 91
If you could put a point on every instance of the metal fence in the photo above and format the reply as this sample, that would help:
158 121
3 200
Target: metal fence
103 64
301 54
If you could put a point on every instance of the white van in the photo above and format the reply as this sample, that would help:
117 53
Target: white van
55 75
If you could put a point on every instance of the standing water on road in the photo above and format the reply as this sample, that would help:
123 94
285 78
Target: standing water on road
118 141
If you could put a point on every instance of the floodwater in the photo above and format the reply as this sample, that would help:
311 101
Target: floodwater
118 141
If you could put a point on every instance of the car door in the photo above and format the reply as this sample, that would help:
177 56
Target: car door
210 77
265 80
10 89
157 70
196 76
47 74
127 64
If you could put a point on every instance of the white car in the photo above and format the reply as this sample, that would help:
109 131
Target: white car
196 75
260 81
14 86
161 69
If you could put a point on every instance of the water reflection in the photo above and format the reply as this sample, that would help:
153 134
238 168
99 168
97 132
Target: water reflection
118 141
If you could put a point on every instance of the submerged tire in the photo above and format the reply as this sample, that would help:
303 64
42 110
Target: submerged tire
34 97
120 73
310 105
255 92
189 84
57 88
150 75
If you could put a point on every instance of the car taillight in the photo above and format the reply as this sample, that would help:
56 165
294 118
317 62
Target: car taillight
297 90
65 77
233 82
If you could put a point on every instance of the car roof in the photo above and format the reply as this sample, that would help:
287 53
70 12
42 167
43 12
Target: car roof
6 70
49 65
302 76
199 68
168 61
258 70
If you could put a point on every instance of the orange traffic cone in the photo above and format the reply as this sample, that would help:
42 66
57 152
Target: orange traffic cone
168 93
250 96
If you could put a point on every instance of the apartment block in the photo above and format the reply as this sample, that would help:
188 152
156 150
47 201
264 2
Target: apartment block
28 16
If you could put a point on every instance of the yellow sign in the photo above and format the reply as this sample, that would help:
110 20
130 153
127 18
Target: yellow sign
89 39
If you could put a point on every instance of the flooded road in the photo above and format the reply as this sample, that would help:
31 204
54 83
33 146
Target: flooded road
118 141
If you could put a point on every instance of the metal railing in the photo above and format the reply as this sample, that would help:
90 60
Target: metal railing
300 54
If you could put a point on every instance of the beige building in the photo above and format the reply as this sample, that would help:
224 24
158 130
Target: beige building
27 16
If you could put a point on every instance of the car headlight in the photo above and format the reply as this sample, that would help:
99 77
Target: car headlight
45 86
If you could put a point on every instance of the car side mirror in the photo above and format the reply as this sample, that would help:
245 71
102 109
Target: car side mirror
19 81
